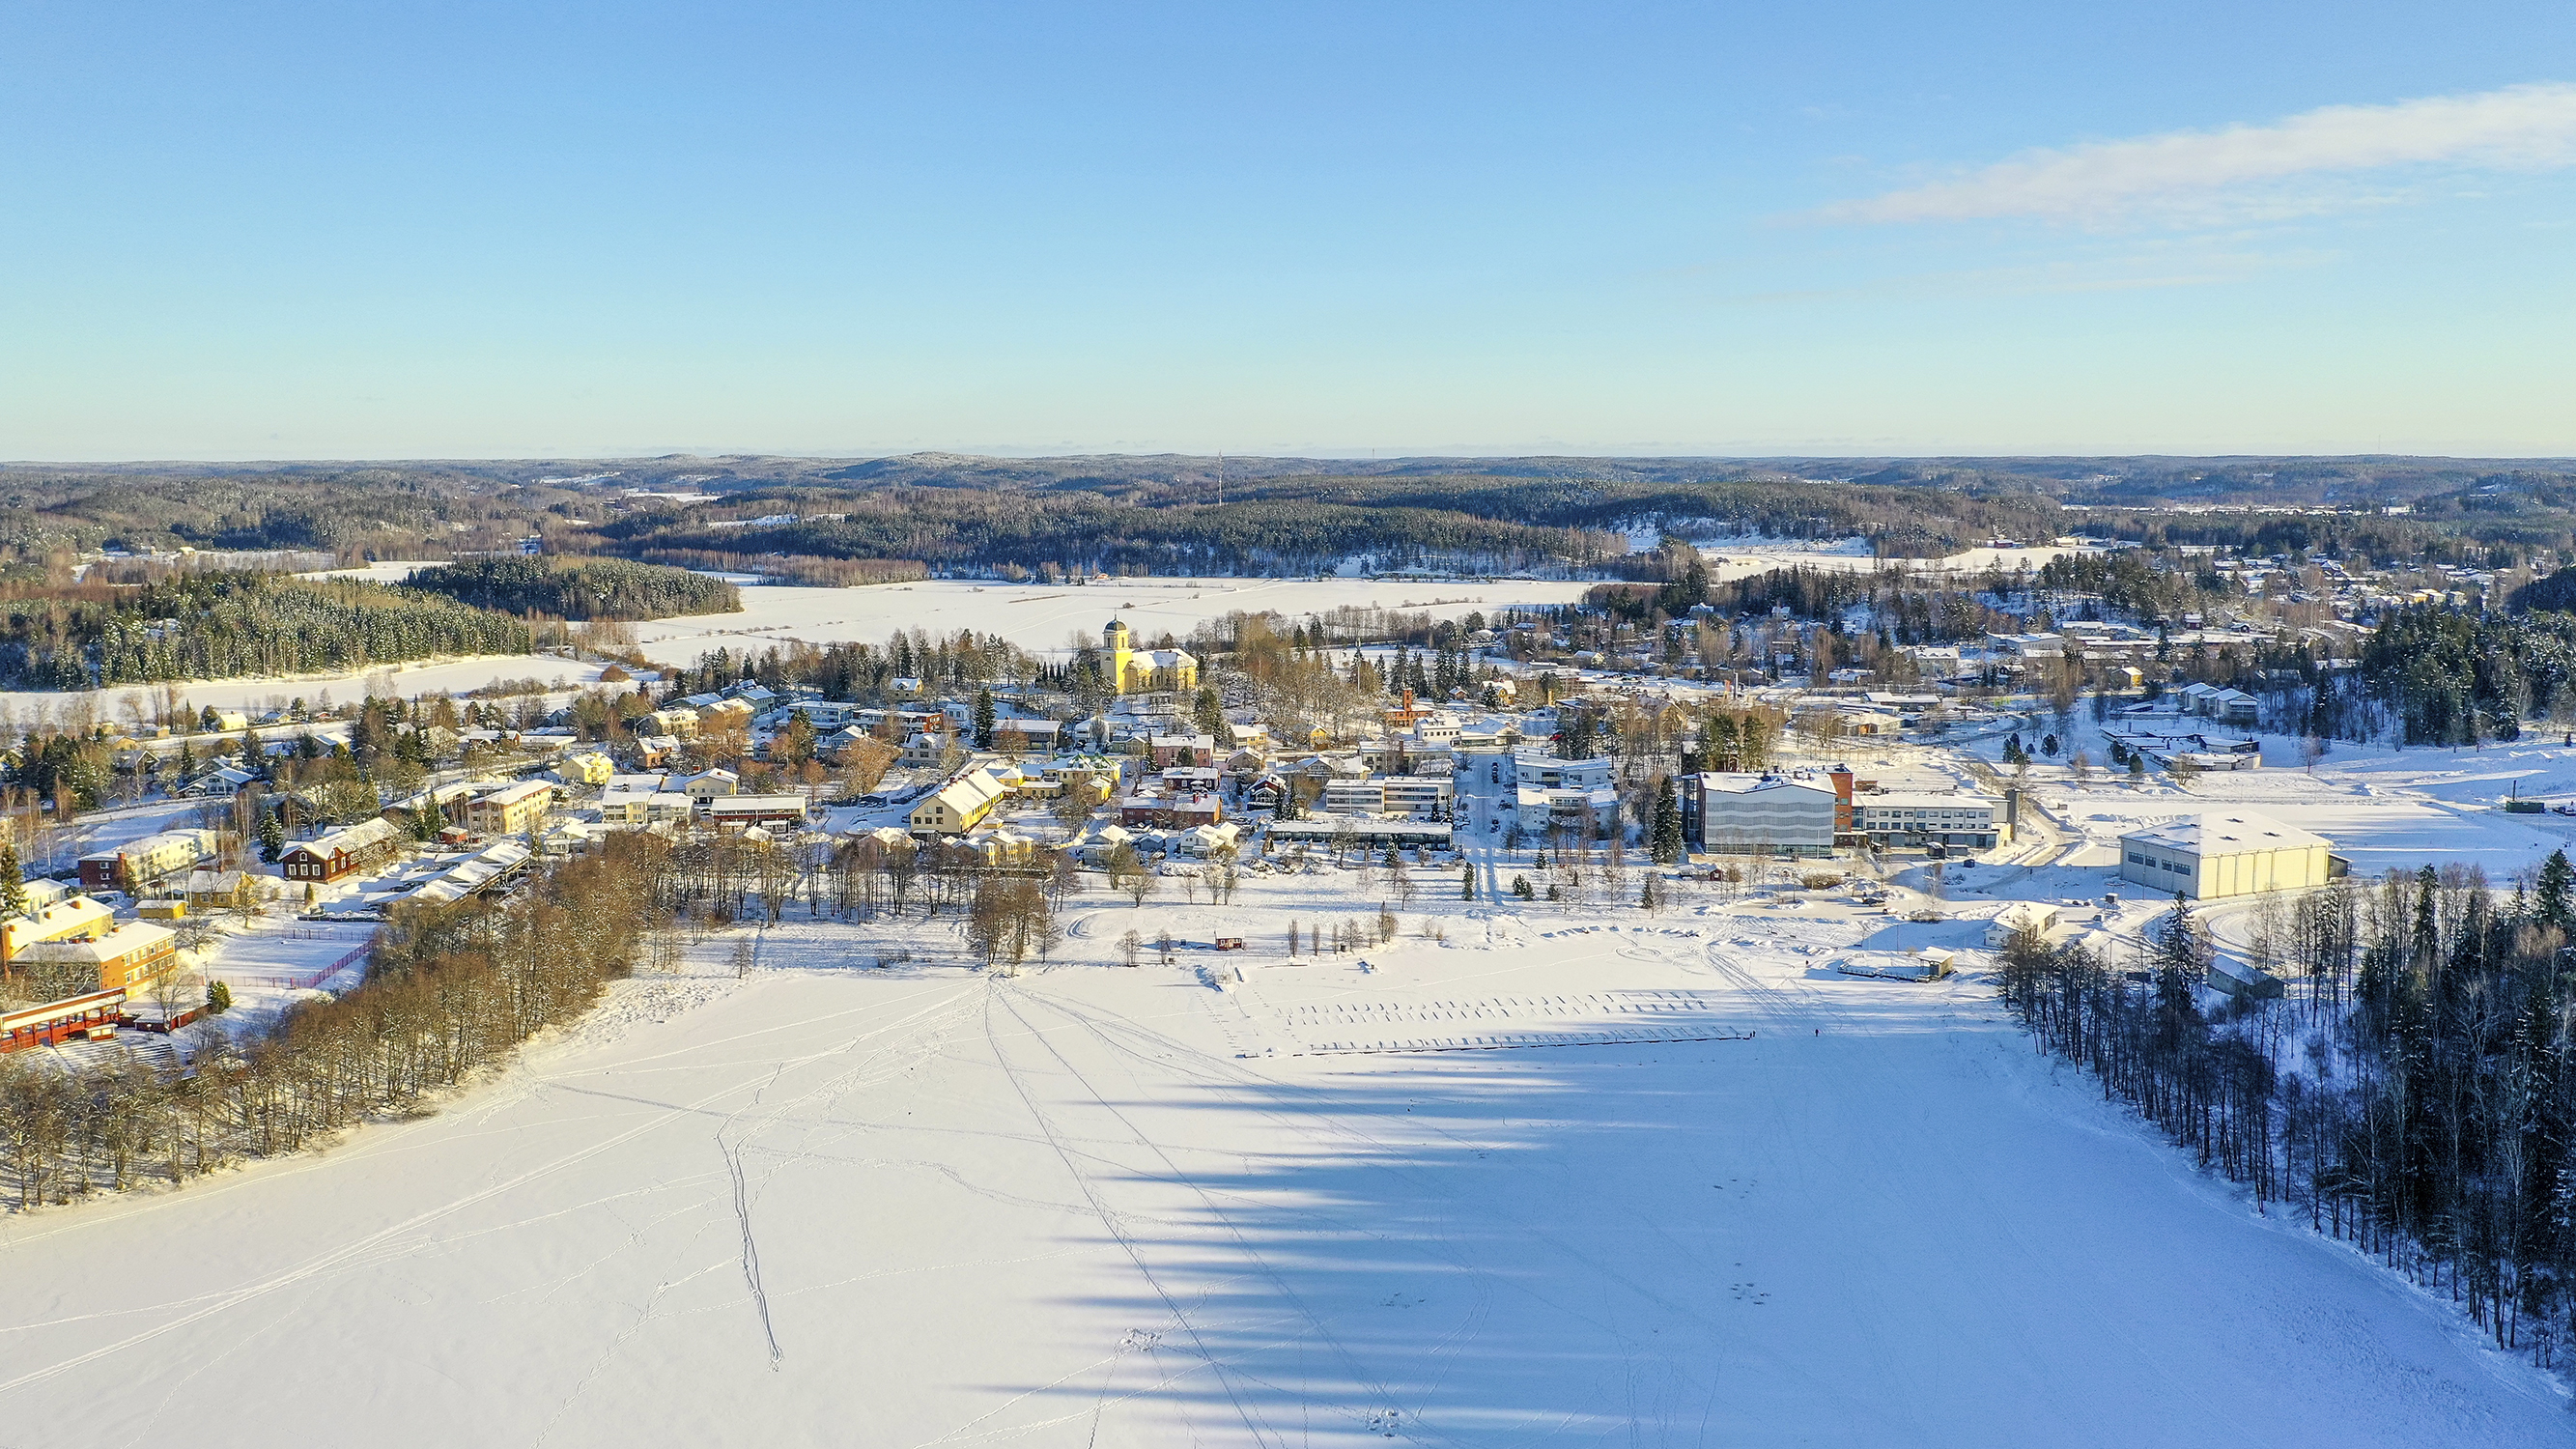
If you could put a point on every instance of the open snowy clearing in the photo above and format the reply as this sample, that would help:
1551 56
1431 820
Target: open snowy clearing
918 1205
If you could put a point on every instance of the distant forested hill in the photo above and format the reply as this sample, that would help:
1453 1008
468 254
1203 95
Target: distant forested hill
217 626
580 589
830 520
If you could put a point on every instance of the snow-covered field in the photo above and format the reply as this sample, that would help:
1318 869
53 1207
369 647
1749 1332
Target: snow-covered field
1096 1206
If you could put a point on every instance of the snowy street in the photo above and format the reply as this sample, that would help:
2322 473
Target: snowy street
1092 1205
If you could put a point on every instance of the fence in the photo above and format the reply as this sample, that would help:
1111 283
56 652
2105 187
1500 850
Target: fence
303 981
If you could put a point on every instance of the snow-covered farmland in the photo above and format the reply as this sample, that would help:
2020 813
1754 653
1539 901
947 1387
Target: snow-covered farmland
833 1203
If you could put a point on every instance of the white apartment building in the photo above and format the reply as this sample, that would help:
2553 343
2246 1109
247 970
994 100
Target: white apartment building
1420 797
1971 821
1540 770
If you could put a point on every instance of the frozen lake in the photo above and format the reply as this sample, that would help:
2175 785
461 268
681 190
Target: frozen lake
453 675
1099 1206
1043 619
1035 617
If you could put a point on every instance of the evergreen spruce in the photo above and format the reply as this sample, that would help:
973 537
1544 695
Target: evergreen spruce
1667 824
13 882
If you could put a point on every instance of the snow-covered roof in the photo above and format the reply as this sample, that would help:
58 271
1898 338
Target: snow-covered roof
1750 784
2217 834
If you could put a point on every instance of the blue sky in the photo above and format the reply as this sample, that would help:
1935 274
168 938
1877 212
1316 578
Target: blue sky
463 230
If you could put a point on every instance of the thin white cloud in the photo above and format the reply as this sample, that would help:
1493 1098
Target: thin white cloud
2286 167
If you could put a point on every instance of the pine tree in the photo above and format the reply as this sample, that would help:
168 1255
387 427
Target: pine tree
983 719
13 882
272 837
1466 882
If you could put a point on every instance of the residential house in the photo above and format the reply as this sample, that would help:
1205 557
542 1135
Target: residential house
1021 736
1171 811
588 768
342 852
215 889
1265 792
755 809
708 784
826 715
958 806
1190 749
221 782
725 715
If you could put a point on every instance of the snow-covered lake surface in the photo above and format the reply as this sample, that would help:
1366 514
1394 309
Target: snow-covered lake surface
1035 616
1097 1206
431 676
1043 618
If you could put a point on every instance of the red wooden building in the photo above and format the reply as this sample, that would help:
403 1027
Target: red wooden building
330 856
70 1019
